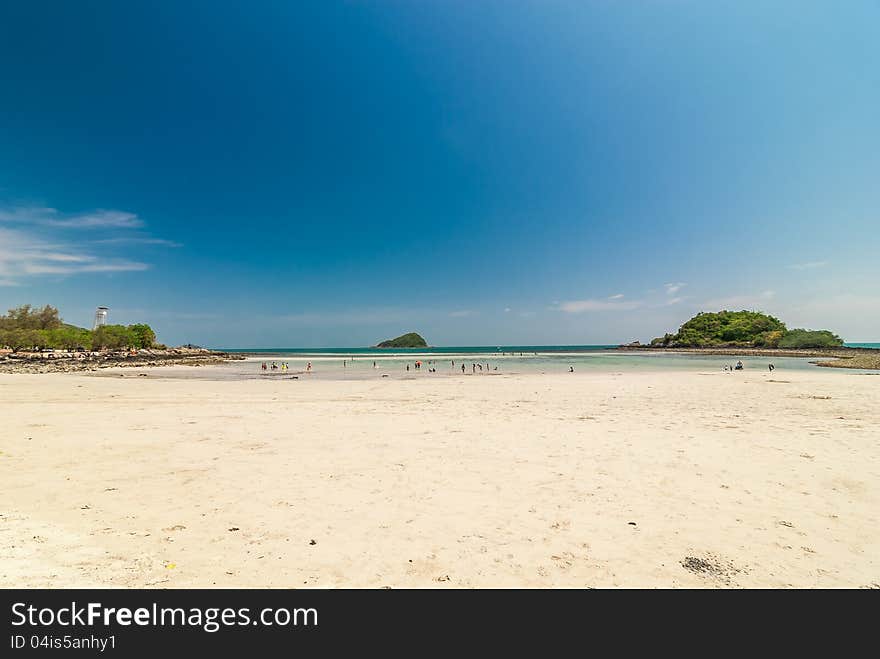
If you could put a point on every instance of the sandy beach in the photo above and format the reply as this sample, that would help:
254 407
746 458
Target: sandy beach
679 479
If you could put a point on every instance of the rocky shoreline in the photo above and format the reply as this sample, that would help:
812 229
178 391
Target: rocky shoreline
867 358
70 362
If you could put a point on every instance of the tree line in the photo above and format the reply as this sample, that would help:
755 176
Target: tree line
30 328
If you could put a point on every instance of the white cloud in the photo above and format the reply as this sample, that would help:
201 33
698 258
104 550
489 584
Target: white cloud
137 240
506 309
99 219
114 266
45 216
64 258
39 240
462 313
24 254
619 302
810 265
581 306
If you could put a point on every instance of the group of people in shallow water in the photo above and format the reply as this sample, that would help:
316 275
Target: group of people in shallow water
474 367
739 367
432 368
283 366
274 366
417 366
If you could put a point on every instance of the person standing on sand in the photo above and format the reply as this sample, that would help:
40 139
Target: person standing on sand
462 369
771 367
309 367
571 369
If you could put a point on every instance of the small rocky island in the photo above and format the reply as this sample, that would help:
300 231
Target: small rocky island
411 340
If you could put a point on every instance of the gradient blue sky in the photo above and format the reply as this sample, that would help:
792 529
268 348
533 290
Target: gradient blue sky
333 173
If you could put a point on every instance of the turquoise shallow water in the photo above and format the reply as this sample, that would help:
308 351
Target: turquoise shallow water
454 350
459 350
368 363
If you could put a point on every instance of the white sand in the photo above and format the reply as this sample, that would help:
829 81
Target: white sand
770 479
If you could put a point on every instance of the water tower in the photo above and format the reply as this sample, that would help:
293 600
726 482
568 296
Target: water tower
100 317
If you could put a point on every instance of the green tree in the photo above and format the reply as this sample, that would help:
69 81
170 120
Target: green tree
113 337
69 337
769 339
27 317
801 338
24 339
144 336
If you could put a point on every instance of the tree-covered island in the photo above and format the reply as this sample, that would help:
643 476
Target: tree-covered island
411 340
744 329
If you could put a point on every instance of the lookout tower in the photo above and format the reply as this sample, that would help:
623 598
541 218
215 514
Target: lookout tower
100 317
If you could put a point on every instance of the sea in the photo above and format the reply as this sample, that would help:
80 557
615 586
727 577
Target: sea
369 363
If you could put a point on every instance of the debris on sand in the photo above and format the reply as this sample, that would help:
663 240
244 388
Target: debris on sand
713 567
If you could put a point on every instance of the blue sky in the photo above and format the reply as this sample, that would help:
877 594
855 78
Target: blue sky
334 173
